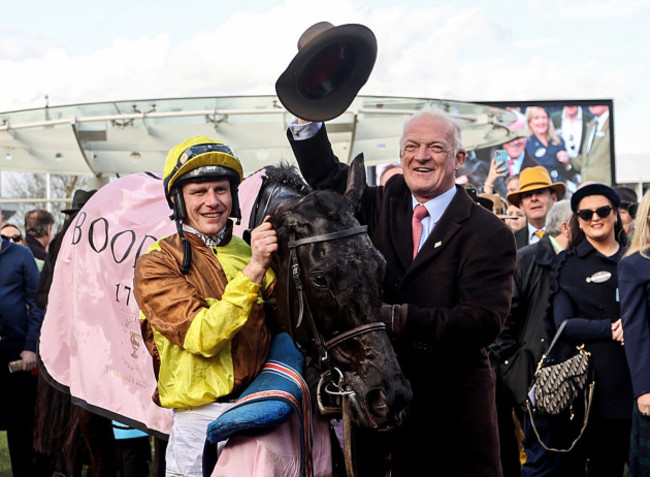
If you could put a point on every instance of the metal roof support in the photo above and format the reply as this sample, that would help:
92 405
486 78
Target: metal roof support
75 131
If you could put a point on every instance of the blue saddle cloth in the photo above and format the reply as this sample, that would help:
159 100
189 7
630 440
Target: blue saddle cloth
269 400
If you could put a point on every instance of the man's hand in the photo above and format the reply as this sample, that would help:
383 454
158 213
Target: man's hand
395 318
29 360
643 402
264 243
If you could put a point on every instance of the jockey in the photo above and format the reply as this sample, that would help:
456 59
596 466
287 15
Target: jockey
201 293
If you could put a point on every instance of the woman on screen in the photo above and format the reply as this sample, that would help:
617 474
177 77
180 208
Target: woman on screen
546 146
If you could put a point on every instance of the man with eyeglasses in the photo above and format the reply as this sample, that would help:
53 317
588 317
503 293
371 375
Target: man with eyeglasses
447 288
21 325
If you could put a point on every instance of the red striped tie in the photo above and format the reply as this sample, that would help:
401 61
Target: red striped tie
419 213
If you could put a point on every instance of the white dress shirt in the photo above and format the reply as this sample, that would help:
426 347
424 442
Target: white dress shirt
436 207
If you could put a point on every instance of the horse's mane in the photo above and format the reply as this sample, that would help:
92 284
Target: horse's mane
288 175
329 202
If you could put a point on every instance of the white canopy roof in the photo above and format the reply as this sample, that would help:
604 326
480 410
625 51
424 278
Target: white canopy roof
119 138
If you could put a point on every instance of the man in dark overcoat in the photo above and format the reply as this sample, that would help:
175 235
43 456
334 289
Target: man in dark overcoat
445 305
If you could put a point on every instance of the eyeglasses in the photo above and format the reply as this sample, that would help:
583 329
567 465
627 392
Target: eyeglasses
602 212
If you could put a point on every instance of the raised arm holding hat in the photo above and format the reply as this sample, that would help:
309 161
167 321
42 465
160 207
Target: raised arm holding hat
447 291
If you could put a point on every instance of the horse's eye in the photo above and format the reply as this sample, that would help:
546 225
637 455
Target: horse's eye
319 280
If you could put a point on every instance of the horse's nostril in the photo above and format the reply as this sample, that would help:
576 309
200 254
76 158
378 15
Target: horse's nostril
377 403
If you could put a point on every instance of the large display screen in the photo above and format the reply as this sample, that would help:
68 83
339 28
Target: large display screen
573 140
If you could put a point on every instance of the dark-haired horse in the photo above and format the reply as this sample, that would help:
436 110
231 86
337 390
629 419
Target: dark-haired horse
329 296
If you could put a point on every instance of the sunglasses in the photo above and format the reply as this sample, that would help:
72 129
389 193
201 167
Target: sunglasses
602 212
15 238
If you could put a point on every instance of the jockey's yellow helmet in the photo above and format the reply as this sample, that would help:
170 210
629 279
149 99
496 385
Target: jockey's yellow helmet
201 159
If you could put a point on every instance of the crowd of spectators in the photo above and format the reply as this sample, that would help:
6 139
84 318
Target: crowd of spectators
568 252
45 431
571 229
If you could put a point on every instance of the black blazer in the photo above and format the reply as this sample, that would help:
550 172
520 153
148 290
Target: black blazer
521 237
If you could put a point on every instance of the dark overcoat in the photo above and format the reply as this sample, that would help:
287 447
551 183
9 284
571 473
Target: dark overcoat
458 292
634 284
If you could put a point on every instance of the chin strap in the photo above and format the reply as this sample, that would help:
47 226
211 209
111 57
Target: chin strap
187 248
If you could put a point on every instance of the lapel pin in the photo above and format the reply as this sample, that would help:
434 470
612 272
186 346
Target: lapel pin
437 244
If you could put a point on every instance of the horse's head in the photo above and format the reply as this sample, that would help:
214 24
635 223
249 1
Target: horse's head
329 286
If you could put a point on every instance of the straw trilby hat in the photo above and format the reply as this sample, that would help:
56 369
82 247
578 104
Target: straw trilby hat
535 178
332 64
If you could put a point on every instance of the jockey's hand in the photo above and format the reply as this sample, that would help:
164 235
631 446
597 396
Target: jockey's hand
395 318
29 360
264 243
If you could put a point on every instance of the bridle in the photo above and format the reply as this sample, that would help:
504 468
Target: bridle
331 377
332 381
330 371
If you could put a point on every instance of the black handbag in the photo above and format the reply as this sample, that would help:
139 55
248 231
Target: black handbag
558 388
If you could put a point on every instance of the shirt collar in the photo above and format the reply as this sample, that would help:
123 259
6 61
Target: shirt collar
602 118
532 229
556 245
517 162
210 241
437 206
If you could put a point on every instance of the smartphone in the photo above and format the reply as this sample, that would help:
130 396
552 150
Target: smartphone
500 158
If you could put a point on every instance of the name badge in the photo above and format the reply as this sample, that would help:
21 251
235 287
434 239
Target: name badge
599 277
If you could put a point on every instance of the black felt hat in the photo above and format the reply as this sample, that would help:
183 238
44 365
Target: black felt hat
595 189
331 66
79 198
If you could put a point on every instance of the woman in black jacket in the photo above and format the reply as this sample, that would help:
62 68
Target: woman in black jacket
586 295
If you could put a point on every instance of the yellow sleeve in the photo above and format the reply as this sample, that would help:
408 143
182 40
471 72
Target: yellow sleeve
214 327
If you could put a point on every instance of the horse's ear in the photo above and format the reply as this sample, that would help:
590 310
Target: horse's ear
356 181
